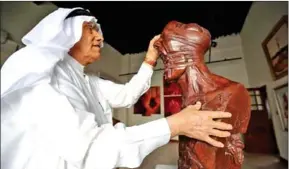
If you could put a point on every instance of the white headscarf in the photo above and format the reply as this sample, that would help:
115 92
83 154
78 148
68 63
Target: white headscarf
47 43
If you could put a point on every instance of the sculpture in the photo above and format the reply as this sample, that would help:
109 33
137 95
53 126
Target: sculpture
182 48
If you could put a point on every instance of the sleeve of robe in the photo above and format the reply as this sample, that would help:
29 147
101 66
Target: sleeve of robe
133 143
43 115
126 95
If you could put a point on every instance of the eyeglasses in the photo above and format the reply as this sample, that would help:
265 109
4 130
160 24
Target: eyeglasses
93 25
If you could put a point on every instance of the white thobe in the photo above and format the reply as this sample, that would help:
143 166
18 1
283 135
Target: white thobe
67 123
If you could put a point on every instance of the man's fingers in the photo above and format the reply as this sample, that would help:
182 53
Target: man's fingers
214 142
155 38
196 106
218 114
221 125
219 133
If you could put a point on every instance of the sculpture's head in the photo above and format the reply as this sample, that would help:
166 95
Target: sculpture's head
180 45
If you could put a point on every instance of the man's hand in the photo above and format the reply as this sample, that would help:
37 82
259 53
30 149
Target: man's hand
199 124
152 53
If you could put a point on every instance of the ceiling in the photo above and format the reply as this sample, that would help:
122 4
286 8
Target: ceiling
128 26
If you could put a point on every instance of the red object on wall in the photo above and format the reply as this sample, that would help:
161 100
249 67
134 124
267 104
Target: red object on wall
149 103
172 98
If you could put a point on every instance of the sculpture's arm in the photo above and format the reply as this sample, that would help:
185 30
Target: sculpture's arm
234 147
240 106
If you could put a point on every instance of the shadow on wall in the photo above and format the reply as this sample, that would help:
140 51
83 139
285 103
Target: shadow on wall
28 15
8 46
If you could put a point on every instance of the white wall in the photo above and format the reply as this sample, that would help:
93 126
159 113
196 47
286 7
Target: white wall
228 47
260 20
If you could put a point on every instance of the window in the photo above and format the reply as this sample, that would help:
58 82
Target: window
258 96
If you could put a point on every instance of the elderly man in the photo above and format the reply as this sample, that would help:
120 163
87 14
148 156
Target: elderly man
53 116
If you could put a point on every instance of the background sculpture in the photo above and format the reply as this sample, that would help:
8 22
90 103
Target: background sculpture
182 48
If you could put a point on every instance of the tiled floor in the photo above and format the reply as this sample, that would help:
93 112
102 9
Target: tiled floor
167 156
251 162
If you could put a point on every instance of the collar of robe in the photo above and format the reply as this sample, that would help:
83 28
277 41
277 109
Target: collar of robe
75 64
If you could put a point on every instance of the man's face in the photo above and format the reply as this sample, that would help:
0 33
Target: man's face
90 42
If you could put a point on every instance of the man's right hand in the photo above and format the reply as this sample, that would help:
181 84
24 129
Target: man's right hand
199 125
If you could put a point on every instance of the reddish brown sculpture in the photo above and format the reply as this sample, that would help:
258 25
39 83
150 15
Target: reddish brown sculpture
182 48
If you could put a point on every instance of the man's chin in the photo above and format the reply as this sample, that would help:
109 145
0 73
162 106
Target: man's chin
95 58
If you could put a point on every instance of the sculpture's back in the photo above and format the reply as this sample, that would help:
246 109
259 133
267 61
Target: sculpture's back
183 47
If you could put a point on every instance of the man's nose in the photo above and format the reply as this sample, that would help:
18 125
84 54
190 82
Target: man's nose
98 36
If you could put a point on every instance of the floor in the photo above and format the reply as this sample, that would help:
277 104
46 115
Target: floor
252 161
166 158
260 161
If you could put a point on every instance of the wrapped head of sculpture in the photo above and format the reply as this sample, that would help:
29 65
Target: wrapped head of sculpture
181 45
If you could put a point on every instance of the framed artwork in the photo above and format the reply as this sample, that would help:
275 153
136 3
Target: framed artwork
281 98
275 47
172 98
149 103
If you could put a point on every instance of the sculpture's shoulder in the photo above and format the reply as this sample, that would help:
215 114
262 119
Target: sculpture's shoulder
239 92
238 89
237 101
222 81
240 106
232 87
